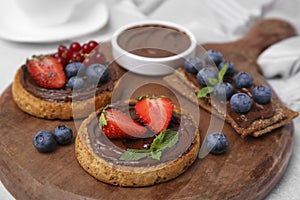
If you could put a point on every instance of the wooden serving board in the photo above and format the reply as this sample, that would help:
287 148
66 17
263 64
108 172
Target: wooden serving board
249 170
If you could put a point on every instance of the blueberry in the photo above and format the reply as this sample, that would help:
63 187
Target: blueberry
72 69
262 94
230 68
97 74
240 103
63 134
44 141
213 57
204 74
193 65
75 82
223 91
216 143
243 80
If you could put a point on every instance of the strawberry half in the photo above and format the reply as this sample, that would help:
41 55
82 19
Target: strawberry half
46 71
156 113
116 124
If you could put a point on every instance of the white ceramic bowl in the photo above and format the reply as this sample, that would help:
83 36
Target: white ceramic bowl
150 65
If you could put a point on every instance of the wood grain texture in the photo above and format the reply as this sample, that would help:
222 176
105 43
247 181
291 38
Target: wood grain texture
249 170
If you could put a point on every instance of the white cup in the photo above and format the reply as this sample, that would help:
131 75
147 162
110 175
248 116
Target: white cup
47 12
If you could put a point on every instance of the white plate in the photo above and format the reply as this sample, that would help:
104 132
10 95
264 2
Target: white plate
15 26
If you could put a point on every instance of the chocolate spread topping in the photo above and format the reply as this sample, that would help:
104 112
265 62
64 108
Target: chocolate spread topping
66 94
155 41
258 111
112 149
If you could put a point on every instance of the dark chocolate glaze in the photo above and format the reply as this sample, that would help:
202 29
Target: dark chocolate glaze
154 41
112 149
258 111
66 94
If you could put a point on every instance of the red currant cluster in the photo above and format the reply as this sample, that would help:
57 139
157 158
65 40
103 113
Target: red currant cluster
78 53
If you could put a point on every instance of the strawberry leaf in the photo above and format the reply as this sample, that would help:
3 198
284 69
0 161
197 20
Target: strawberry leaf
102 120
141 97
222 72
205 91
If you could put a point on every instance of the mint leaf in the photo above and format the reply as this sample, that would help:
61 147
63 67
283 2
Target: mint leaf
131 155
165 139
205 91
168 139
138 150
222 72
156 155
213 81
157 141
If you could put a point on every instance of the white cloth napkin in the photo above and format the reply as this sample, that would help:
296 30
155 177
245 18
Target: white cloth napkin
211 20
281 59
281 66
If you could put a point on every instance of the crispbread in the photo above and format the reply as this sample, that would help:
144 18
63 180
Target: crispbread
130 176
282 115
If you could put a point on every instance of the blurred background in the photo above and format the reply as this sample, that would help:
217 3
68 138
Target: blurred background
22 35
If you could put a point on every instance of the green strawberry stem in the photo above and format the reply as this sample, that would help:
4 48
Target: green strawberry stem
141 97
102 120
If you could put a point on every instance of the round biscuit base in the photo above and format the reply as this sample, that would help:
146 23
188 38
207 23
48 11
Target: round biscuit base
55 110
129 176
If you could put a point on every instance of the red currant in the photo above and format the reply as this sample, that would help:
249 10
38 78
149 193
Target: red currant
59 59
62 61
77 57
61 49
88 61
100 58
92 45
85 48
75 47
66 55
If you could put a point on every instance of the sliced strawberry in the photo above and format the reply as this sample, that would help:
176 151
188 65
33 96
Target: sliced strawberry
116 124
46 71
156 113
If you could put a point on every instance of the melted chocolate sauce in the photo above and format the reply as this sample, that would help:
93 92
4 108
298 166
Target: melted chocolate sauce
154 41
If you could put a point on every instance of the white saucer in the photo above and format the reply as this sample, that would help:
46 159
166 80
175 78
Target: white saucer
15 26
